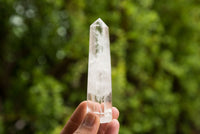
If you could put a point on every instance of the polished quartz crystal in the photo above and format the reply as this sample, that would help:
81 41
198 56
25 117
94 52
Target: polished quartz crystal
99 88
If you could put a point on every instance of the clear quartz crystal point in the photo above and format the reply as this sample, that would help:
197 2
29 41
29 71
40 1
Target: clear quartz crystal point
99 88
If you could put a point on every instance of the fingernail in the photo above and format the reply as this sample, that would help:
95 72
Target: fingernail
89 120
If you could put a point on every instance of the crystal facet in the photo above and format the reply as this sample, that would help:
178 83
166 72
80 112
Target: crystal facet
99 88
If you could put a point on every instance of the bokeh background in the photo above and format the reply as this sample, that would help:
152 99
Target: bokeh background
155 51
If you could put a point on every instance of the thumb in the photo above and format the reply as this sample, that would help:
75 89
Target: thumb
90 125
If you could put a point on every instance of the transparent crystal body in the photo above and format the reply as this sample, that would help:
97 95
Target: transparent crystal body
99 88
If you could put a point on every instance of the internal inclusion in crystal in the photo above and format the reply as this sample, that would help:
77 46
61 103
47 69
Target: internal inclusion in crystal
99 27
100 105
98 31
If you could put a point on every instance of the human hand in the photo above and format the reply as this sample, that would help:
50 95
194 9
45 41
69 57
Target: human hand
88 123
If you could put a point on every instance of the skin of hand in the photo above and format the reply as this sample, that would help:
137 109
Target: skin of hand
89 123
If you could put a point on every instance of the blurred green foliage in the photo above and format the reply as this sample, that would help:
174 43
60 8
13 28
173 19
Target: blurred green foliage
155 63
